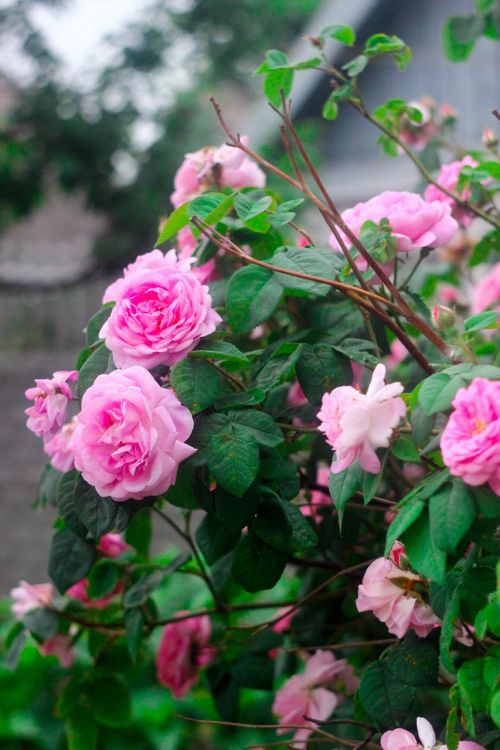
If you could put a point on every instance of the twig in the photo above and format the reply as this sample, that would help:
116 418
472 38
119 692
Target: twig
340 646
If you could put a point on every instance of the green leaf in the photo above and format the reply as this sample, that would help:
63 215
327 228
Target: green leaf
320 368
386 699
215 539
103 579
197 383
134 630
257 566
98 514
272 524
404 449
315 261
303 535
183 494
15 647
356 66
251 397
472 681
96 322
330 108
343 34
343 486
70 559
140 591
221 351
414 661
486 319
110 701
452 513
259 424
254 671
139 531
81 730
406 516
233 458
248 208
275 58
359 351
422 552
42 622
236 512
95 365
459 36
280 366
438 391
252 296
278 81
177 220
67 502
381 44
48 487
489 242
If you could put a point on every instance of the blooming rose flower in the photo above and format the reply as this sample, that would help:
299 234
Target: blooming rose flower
184 648
153 259
159 316
60 448
487 292
387 591
319 499
448 178
27 596
401 739
211 168
51 397
130 435
306 694
112 545
415 222
470 442
355 424
59 645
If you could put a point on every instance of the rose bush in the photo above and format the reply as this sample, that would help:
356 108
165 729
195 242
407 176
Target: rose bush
331 599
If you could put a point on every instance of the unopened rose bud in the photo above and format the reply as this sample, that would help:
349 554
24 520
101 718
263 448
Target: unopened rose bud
489 138
443 317
448 112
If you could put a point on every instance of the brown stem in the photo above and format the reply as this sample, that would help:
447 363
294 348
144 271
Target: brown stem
342 645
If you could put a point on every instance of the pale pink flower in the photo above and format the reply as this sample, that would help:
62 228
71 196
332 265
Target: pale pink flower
319 499
159 316
257 332
80 591
399 352
389 592
130 436
308 693
112 545
415 223
51 397
286 616
60 448
213 167
59 645
296 396
470 442
401 739
487 293
489 138
356 424
448 111
448 178
27 596
184 649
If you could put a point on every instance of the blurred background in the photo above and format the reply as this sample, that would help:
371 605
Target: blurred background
100 100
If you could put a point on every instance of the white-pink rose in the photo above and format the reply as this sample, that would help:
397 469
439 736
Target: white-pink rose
402 739
159 316
51 397
27 596
356 424
130 436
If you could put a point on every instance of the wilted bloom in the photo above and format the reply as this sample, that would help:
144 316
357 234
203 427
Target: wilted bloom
112 545
414 222
130 435
448 178
51 397
213 167
390 592
310 694
356 424
59 645
60 448
319 499
487 293
184 649
27 596
470 442
159 316
402 739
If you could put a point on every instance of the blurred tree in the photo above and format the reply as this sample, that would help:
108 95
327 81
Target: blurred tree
91 140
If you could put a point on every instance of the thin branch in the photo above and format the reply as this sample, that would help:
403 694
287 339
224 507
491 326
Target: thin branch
340 646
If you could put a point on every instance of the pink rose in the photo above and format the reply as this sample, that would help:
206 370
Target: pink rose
319 499
153 259
307 694
470 442
130 435
27 596
415 223
355 424
80 591
399 352
448 294
159 316
59 645
60 448
448 178
487 292
286 614
51 397
112 545
187 245
211 168
184 649
401 739
389 592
